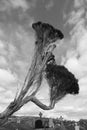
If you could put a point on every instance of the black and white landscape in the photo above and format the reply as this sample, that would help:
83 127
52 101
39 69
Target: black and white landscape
49 37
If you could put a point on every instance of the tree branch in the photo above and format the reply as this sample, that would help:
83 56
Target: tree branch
41 105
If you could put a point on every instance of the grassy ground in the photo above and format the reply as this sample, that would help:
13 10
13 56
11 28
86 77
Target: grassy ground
14 126
25 126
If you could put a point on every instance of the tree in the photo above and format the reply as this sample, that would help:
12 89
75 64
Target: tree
42 63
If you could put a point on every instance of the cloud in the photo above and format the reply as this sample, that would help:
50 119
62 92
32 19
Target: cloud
2 89
45 98
75 59
19 3
28 109
7 87
9 4
6 77
83 84
3 51
3 61
1 32
7 97
49 5
78 3
12 51
16 45
75 16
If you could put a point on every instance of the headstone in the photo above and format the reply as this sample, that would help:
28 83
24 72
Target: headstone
46 124
51 123
18 120
61 123
77 126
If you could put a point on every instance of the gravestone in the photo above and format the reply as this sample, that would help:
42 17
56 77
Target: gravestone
62 126
18 120
46 124
51 123
77 126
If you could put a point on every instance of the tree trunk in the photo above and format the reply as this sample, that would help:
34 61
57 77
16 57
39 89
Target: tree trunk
46 35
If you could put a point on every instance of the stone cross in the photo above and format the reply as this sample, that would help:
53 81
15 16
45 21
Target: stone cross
40 114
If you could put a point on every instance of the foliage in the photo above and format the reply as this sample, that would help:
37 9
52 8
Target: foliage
46 32
60 80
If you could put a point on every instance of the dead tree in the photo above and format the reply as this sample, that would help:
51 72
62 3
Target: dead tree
46 36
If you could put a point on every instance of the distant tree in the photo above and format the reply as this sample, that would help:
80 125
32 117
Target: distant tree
60 80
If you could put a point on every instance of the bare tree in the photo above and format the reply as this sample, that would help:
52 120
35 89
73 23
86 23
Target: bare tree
43 63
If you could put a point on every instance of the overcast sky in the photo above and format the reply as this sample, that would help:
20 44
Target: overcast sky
16 50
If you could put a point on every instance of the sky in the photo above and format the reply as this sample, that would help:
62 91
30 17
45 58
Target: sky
17 44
